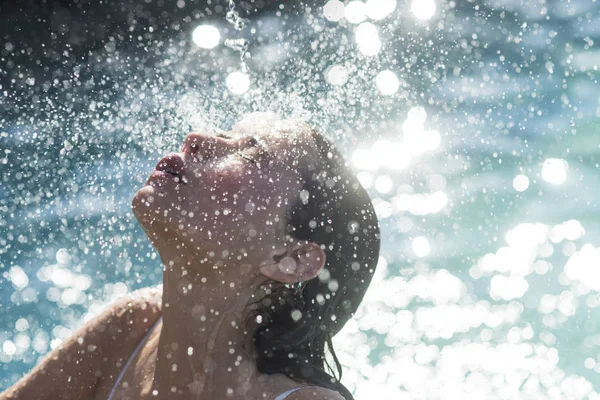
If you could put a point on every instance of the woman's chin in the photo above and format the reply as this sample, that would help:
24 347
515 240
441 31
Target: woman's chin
143 203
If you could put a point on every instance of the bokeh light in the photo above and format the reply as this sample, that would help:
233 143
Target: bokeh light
379 9
206 36
238 82
387 82
333 10
336 75
554 170
355 12
420 246
423 9
367 39
521 183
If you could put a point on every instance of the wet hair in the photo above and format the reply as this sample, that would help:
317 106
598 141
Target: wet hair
299 320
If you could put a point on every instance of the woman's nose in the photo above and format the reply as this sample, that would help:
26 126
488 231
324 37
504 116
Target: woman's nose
205 146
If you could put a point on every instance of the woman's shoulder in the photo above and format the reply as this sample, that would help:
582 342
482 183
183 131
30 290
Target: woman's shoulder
129 318
131 315
121 324
74 369
109 338
146 301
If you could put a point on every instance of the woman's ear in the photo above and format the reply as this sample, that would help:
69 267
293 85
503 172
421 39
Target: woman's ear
301 263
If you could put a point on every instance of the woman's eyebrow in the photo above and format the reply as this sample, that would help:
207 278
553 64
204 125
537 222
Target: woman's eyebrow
262 143
266 150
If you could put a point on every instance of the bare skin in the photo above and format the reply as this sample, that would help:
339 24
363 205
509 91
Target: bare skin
217 226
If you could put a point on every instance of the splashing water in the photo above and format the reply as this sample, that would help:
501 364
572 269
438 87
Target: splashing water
233 17
472 125
240 44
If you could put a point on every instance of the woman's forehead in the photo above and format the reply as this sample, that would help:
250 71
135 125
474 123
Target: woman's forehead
297 138
286 138
270 127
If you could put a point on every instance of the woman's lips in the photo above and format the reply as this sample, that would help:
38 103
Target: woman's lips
172 164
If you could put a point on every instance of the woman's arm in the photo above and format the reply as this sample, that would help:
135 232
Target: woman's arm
73 370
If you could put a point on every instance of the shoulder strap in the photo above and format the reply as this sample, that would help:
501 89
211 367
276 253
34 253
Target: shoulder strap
285 394
131 357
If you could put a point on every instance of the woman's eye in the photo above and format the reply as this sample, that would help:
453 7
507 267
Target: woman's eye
252 141
247 157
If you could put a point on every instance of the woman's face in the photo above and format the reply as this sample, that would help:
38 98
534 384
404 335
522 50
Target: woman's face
226 192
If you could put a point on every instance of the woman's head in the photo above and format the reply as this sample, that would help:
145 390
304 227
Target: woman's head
229 194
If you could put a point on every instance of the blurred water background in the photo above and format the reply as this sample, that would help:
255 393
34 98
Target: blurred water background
474 125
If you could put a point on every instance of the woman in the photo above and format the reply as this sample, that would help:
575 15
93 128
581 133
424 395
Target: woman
268 243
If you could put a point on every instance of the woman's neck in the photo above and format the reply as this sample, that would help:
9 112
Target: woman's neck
205 344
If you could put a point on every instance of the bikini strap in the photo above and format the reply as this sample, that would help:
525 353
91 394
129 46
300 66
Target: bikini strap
285 394
131 357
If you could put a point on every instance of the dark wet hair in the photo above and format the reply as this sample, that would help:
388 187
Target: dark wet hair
334 211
